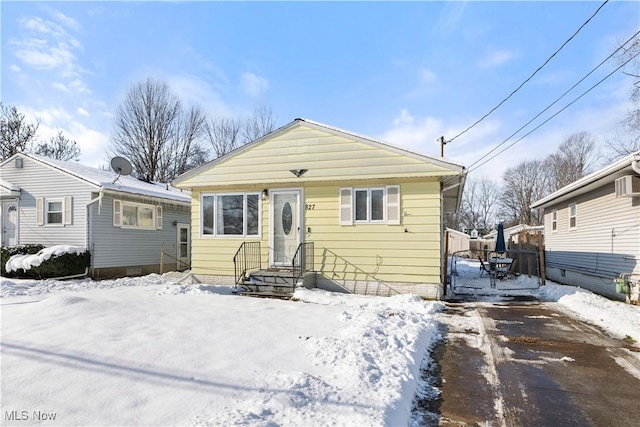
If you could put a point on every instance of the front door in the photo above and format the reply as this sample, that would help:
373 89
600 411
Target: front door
184 246
285 226
10 223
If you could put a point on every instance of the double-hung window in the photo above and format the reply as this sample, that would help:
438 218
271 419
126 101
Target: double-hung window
573 215
370 205
236 214
554 220
54 211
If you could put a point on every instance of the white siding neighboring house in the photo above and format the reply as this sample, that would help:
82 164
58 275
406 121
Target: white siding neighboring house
512 233
592 228
123 221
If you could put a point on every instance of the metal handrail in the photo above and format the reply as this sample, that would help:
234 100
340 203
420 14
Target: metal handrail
246 258
303 260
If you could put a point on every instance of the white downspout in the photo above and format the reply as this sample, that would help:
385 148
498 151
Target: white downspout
89 222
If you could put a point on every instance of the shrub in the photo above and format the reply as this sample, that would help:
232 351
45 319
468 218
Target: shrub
7 253
68 264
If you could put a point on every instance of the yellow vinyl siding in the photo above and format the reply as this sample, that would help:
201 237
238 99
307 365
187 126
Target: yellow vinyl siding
379 251
355 252
214 255
324 155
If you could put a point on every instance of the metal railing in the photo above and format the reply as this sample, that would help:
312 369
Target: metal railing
302 260
246 258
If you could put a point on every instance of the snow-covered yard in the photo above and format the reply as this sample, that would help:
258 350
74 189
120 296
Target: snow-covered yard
147 351
144 351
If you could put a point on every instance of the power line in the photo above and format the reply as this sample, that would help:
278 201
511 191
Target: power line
531 76
556 100
558 112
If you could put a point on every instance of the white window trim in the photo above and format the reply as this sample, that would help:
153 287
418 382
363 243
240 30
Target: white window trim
156 215
384 205
575 205
46 211
347 202
554 221
244 234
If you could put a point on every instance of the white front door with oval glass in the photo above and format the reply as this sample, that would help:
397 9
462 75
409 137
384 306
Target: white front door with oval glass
9 223
285 226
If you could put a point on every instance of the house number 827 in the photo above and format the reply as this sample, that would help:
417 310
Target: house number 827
309 207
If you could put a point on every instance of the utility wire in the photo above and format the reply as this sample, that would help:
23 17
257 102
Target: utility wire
558 112
556 100
531 76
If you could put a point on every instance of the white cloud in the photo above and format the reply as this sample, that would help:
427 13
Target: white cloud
429 76
496 58
61 87
14 68
196 91
82 111
253 85
404 118
67 21
79 86
43 44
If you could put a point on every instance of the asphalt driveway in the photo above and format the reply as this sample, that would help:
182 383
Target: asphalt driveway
526 363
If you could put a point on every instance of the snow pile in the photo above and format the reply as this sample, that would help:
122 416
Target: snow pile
32 287
25 262
378 351
616 317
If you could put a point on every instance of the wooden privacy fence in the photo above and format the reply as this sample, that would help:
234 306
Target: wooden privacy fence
527 254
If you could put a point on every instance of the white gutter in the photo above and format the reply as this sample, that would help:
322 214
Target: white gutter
634 164
591 178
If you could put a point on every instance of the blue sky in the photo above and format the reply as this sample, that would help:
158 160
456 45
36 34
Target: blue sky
403 72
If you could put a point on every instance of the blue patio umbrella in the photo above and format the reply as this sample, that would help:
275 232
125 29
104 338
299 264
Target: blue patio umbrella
500 245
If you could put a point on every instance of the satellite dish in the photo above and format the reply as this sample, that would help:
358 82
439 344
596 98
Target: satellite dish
121 166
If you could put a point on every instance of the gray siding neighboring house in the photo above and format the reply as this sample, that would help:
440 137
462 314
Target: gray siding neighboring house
51 202
592 229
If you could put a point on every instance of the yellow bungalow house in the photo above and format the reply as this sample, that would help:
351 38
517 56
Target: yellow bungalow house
325 206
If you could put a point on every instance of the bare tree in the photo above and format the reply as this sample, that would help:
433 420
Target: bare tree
16 134
574 159
226 134
153 132
523 185
186 149
479 202
627 139
59 147
223 134
261 121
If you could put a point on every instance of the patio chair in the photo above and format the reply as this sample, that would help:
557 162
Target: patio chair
484 268
491 272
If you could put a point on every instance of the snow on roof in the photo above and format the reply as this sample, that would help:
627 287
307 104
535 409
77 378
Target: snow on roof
106 179
7 188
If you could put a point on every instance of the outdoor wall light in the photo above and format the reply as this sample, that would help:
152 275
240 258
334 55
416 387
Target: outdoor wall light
265 194
175 223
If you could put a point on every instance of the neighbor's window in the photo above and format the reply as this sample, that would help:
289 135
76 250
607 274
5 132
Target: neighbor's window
573 214
230 214
54 212
136 215
554 220
370 205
